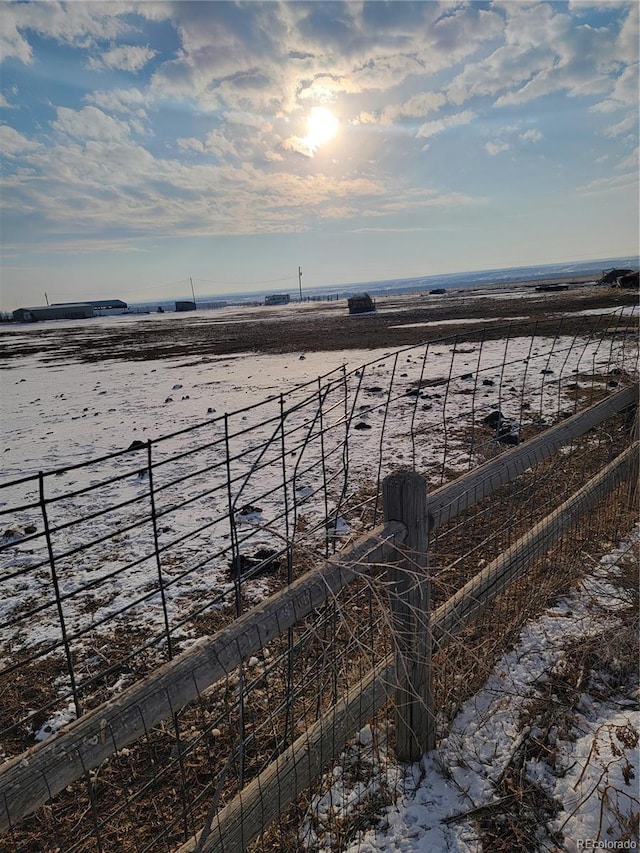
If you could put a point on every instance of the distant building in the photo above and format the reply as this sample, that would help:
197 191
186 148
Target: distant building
277 299
185 305
612 276
71 311
101 307
105 307
361 303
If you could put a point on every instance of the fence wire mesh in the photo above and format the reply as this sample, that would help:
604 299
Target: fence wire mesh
114 566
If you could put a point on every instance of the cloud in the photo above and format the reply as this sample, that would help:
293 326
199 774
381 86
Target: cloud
90 123
325 88
191 144
13 143
495 148
510 137
630 161
624 93
229 54
128 101
124 58
508 66
433 128
77 24
415 201
366 118
299 53
591 5
416 107
13 45
218 144
237 136
627 41
544 51
207 145
627 124
611 184
298 144
5 104
584 58
179 80
247 120
102 188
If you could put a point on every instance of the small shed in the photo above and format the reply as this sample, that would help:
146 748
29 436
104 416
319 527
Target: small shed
361 303
612 276
185 305
277 299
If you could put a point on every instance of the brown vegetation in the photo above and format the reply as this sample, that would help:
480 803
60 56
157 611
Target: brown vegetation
322 326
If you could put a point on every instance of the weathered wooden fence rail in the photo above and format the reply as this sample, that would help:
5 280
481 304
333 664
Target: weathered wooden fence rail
245 817
470 602
36 776
29 780
453 498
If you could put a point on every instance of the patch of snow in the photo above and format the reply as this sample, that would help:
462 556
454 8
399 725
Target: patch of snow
67 414
56 721
599 786
598 790
466 321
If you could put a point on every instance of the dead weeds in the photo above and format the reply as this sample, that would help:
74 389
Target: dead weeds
156 792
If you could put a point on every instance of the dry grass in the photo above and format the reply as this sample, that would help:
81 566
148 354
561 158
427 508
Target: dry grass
156 793
604 665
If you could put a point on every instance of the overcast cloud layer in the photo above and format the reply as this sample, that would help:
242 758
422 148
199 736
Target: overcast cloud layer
146 142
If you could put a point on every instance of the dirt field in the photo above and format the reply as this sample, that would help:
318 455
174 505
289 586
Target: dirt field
401 320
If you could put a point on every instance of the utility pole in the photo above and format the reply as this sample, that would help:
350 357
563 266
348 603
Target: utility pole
46 297
300 282
192 291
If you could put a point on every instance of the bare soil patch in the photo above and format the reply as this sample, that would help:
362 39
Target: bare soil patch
399 321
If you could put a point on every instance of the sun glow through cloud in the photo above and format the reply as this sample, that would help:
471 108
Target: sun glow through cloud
322 126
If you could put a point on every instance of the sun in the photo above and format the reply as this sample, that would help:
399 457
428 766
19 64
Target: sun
322 126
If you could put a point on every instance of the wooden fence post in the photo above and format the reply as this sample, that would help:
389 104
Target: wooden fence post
405 500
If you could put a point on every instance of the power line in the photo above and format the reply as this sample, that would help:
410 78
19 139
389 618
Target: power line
154 287
262 281
185 281
160 286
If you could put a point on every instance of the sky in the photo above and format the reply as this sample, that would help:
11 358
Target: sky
144 144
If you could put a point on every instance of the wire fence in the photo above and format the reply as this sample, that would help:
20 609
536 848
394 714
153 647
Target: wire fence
114 567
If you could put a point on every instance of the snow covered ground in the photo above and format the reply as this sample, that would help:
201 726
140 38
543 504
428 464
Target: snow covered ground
592 780
380 409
